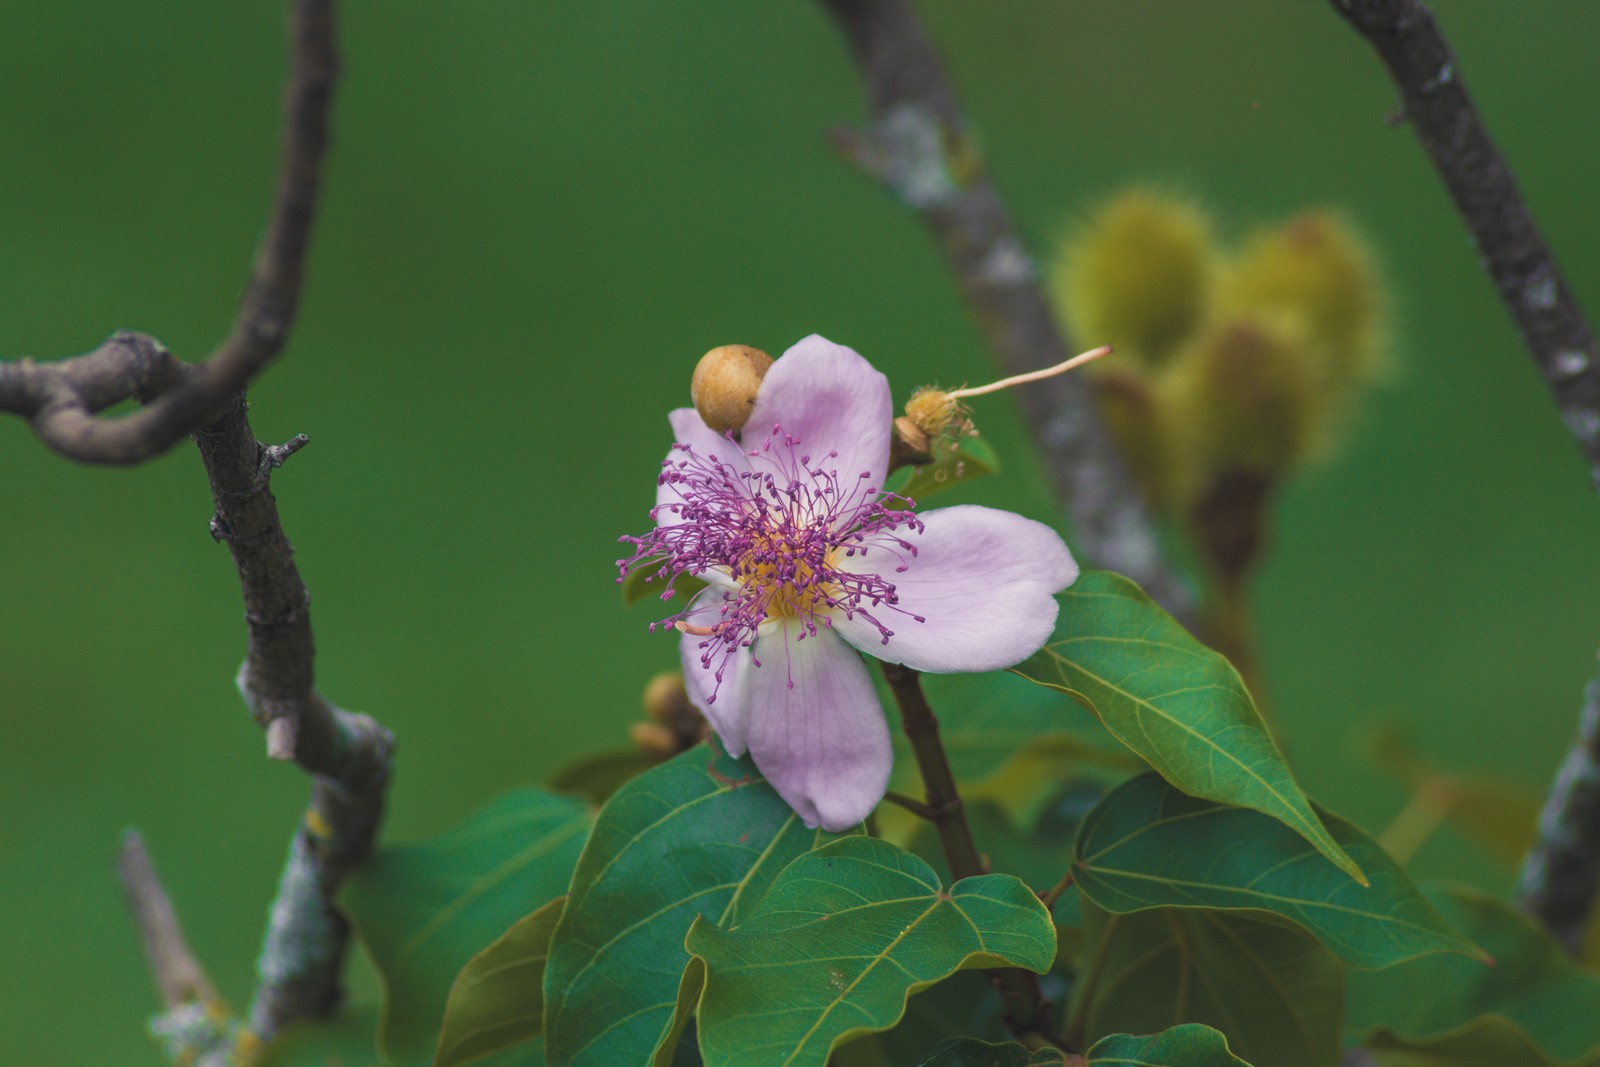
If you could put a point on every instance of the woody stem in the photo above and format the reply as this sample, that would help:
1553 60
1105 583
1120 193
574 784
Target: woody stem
1027 1012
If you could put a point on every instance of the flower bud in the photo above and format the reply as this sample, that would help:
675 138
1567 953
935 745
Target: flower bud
1315 268
1139 277
725 384
675 722
1248 395
936 414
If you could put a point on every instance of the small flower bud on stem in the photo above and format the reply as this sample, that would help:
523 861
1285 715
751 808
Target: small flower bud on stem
725 384
674 724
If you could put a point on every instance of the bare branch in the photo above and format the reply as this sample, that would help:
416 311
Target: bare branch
177 974
917 145
1434 99
349 755
60 399
1561 876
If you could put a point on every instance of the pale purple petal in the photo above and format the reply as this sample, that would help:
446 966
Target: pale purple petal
833 401
690 429
823 744
724 701
984 582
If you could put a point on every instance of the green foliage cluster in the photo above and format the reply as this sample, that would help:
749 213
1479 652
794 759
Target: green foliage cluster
1155 864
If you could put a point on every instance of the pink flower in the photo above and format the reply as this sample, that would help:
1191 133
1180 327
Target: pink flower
807 564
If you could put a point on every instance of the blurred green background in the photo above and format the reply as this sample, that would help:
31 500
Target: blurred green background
537 216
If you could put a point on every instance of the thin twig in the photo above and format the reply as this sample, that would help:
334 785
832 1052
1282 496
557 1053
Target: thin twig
1049 898
1561 876
61 399
1027 1012
913 805
176 972
917 145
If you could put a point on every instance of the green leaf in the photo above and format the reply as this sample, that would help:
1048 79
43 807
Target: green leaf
1179 705
956 461
645 580
1147 845
1190 1045
844 936
1035 774
1270 986
1533 1007
963 1005
497 1000
1038 861
700 835
596 776
970 1052
424 910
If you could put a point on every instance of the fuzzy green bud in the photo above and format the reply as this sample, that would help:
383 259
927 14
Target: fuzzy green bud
1315 269
1139 276
1247 395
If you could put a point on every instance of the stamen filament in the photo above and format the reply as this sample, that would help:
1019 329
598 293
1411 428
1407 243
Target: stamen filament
1031 376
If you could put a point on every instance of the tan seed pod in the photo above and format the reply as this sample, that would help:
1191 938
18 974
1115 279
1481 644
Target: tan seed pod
725 384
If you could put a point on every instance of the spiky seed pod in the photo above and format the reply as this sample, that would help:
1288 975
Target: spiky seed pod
1315 268
1247 395
1139 276
725 383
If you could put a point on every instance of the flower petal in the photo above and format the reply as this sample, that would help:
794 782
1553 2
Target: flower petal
822 742
723 701
690 429
984 582
832 400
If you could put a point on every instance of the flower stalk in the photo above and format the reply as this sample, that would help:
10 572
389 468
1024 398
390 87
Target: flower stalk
1028 1014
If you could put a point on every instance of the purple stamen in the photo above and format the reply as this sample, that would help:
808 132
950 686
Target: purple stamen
773 536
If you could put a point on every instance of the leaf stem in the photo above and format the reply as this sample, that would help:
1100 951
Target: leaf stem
1049 899
911 804
943 806
1028 1014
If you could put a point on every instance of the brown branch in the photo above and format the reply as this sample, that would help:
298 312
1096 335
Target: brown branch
917 145
1027 1012
1561 874
1561 877
349 755
60 399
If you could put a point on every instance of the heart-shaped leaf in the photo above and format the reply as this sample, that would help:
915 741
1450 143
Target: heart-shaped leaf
498 999
424 910
844 936
1266 983
1147 845
1190 1045
1173 701
700 835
